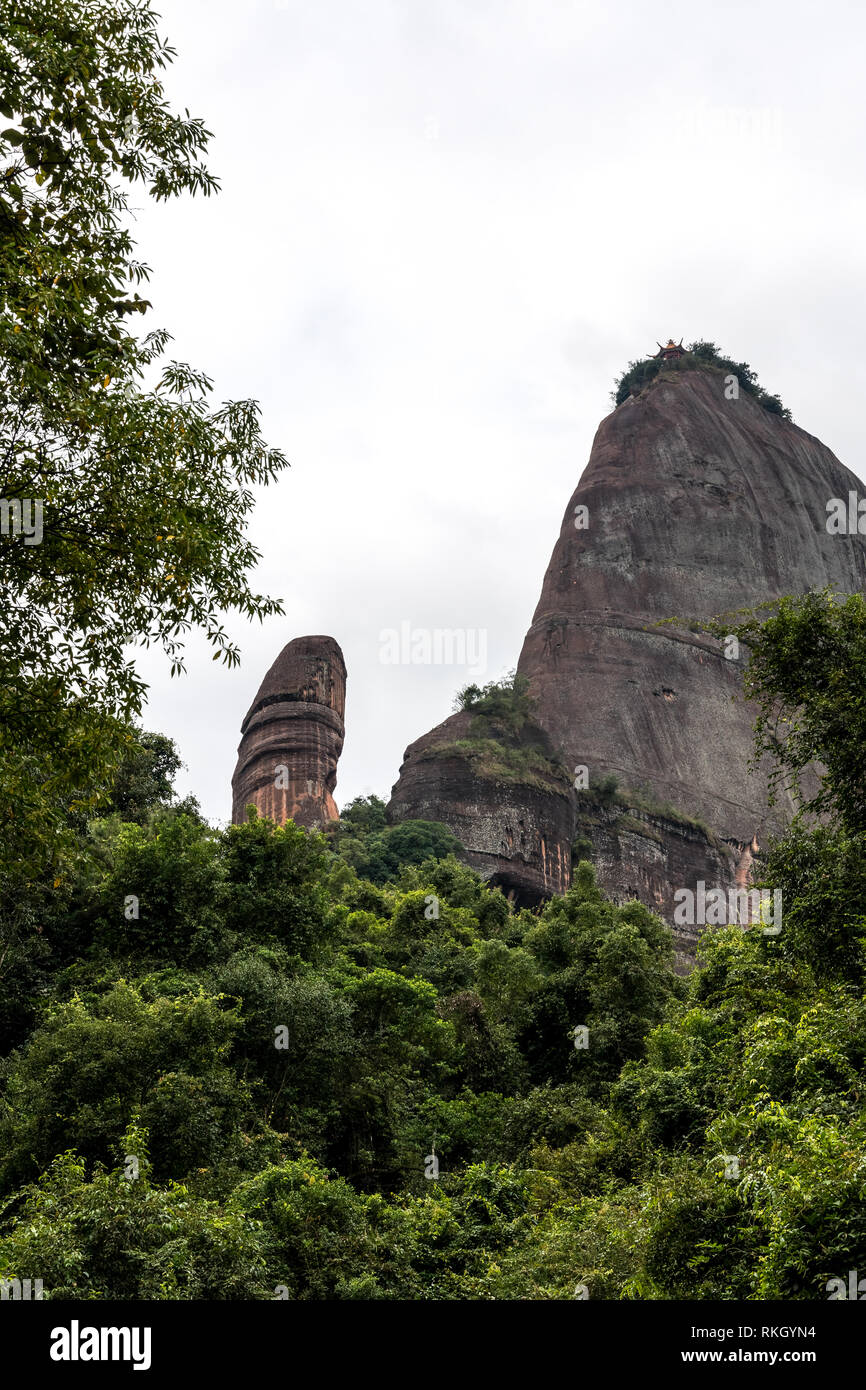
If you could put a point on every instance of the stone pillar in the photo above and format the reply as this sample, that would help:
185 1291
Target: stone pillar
292 737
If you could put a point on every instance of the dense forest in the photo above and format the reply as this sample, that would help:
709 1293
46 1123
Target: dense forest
236 1067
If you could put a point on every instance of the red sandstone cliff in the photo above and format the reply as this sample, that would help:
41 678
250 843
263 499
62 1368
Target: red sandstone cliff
293 735
504 795
696 504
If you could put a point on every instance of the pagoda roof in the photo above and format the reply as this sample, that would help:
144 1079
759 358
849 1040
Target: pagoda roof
670 348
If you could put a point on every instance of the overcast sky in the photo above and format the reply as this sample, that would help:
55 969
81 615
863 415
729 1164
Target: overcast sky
444 228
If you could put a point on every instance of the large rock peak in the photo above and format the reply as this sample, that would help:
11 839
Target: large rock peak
695 501
292 736
691 505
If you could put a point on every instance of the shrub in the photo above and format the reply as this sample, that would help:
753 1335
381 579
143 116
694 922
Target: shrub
699 354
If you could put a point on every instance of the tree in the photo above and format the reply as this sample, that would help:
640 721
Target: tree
699 354
144 487
610 969
364 815
807 675
274 884
505 702
112 1236
87 1069
144 778
377 851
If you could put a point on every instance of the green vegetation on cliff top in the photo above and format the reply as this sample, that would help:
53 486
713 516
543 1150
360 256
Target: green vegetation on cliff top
609 795
700 356
496 761
503 743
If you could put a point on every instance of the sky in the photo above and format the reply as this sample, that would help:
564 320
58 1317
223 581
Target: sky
443 230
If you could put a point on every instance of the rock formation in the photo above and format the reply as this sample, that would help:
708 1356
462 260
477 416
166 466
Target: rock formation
696 505
292 736
505 796
645 852
692 504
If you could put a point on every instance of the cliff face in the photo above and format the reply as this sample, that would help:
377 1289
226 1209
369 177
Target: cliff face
691 505
695 505
646 852
503 795
292 736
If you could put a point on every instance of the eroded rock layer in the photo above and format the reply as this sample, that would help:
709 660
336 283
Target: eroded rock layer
292 737
503 795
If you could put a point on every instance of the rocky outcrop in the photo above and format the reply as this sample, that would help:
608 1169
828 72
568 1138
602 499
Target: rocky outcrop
292 737
505 797
647 852
693 504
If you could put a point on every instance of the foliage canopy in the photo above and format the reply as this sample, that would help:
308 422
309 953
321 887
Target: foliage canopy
699 354
145 485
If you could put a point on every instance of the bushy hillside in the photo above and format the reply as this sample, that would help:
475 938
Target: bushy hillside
235 1069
